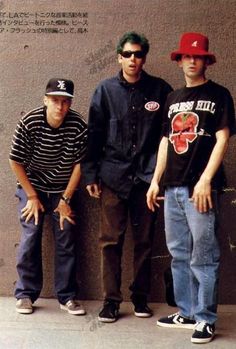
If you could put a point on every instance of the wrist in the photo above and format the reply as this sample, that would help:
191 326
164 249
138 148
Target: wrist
205 178
33 196
155 181
66 199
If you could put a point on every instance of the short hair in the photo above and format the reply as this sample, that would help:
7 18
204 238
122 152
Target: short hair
133 38
208 60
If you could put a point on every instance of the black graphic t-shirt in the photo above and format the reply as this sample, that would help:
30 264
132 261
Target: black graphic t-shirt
192 117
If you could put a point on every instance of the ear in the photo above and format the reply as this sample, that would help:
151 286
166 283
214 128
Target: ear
179 62
207 62
119 58
45 100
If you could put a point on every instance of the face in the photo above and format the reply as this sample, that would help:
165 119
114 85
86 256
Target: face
194 67
131 66
57 108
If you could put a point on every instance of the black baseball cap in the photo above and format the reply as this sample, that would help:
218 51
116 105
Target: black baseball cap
60 87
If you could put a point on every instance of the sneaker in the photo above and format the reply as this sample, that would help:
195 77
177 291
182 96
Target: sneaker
203 333
24 306
176 321
142 310
109 312
73 307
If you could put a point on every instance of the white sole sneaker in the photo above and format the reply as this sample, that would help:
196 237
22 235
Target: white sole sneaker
24 306
24 311
142 314
73 312
107 320
201 340
184 326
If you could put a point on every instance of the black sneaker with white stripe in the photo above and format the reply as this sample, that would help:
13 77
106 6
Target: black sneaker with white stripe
203 333
176 321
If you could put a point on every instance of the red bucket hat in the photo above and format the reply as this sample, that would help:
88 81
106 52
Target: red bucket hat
193 44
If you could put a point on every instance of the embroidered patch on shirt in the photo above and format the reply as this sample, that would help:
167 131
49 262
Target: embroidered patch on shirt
152 106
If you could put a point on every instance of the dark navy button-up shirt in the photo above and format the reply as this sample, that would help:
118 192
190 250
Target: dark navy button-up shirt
124 128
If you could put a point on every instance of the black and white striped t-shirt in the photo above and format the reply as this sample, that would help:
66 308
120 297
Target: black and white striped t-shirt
48 154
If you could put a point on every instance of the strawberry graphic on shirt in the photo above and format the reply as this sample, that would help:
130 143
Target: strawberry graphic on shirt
184 131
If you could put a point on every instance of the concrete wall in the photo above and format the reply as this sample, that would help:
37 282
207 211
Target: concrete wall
34 47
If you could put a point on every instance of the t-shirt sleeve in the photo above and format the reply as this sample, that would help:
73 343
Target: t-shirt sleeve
226 114
81 142
166 121
20 143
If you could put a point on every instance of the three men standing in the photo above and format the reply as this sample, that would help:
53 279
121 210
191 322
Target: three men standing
127 120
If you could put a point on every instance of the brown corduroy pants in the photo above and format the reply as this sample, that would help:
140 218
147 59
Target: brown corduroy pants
116 213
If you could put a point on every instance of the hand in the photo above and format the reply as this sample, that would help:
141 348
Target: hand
31 209
201 197
65 212
152 196
94 190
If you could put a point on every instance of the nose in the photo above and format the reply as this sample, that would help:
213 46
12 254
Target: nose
60 105
132 58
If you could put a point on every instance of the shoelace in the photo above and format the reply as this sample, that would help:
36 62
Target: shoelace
173 315
111 307
26 302
200 326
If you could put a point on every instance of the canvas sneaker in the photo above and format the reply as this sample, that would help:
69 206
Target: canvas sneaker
73 307
109 312
176 321
142 310
203 333
24 306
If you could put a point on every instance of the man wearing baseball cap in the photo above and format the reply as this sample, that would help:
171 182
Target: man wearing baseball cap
199 119
47 147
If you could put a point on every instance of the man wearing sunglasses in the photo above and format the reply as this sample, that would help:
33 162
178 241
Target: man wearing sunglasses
125 121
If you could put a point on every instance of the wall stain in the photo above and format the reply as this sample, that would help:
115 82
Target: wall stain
232 244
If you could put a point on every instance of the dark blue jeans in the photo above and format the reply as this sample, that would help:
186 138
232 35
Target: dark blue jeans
29 261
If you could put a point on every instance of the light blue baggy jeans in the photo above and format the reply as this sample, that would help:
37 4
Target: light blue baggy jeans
192 242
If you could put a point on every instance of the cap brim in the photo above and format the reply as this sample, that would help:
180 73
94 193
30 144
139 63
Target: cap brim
59 94
175 55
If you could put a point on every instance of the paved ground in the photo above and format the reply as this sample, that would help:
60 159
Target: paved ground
51 328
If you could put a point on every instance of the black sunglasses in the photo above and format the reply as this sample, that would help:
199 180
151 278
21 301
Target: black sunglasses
137 54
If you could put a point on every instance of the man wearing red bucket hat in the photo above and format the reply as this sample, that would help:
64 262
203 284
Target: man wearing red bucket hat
199 119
